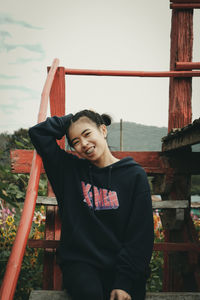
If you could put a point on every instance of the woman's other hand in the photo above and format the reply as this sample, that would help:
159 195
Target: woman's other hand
117 294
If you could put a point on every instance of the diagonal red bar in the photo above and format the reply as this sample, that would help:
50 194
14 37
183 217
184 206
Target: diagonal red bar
15 260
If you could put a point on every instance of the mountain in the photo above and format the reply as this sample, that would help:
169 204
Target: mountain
136 137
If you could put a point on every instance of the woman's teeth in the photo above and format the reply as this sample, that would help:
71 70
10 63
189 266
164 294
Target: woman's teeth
90 150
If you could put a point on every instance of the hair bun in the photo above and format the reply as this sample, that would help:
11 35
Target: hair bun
106 119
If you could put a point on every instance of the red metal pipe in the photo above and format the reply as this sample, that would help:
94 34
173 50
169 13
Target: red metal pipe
184 5
187 65
132 73
15 260
185 1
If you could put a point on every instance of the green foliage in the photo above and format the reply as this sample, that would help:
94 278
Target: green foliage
13 186
20 140
154 283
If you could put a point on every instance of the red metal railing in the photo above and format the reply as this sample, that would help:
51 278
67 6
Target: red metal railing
15 260
132 73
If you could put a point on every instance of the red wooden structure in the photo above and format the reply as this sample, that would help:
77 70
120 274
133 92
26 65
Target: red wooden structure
171 168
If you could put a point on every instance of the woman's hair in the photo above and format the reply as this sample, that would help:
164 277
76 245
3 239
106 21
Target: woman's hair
93 116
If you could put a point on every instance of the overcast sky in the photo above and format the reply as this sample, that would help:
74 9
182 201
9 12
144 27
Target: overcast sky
89 34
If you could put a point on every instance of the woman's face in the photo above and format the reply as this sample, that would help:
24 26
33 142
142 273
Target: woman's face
88 140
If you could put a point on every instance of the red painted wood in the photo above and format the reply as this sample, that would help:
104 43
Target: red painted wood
180 112
132 73
57 98
180 115
21 161
187 65
151 161
57 107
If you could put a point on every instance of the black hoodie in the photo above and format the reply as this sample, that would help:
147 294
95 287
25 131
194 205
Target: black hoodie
106 213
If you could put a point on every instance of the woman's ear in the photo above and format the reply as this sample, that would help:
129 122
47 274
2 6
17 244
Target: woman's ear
103 129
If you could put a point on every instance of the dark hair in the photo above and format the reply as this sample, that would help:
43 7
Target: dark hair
93 116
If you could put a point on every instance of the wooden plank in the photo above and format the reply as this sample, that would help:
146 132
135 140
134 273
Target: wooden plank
62 295
21 161
156 204
181 141
46 200
151 161
165 246
48 294
183 137
173 204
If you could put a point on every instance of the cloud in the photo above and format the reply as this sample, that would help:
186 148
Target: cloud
30 92
26 60
9 108
4 76
8 47
32 48
7 19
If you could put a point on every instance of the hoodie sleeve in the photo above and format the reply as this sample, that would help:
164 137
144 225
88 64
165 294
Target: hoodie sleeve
43 137
135 255
45 134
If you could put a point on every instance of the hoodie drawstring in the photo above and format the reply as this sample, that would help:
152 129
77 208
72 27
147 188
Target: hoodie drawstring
109 178
92 183
92 186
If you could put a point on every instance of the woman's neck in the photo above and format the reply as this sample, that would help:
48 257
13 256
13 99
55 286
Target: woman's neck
106 160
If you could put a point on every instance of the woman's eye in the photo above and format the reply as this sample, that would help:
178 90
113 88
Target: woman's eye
87 133
75 143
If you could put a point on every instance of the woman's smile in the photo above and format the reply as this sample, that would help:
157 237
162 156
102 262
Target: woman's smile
90 150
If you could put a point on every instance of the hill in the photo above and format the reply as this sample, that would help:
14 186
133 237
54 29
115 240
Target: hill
136 137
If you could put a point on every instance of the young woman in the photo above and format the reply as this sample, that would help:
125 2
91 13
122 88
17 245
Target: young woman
105 208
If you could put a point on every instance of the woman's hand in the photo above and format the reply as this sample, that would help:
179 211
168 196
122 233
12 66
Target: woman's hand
119 295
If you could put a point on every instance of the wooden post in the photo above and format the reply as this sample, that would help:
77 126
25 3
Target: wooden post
180 114
180 91
52 273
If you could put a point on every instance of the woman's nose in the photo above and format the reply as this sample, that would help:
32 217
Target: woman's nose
84 143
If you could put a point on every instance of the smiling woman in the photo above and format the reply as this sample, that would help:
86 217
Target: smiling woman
87 135
107 235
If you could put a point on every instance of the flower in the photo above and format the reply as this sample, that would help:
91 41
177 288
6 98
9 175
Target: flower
9 220
38 218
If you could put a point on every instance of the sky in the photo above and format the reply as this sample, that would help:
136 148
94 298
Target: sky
89 34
